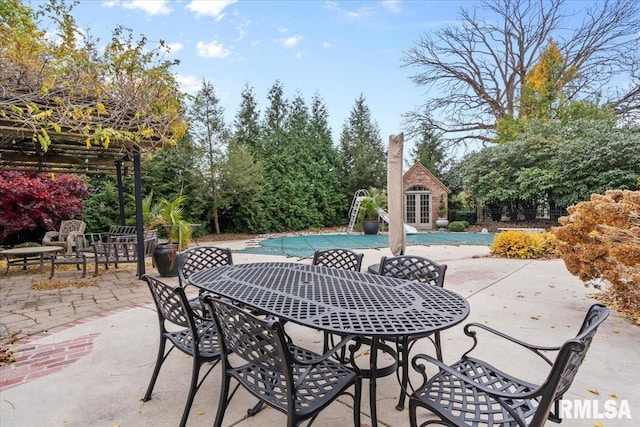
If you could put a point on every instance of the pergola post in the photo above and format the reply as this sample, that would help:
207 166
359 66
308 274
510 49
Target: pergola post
120 190
137 178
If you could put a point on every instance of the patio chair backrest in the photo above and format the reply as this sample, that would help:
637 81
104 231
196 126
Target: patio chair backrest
261 342
66 227
412 267
171 303
200 257
595 316
343 259
122 230
568 361
87 240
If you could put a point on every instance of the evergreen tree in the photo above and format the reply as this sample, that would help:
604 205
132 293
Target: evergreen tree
174 171
273 127
429 151
363 156
269 215
325 166
247 120
241 188
211 135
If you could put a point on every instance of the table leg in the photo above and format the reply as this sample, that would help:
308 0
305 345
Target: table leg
41 263
373 366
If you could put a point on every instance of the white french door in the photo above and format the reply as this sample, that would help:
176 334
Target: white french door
418 207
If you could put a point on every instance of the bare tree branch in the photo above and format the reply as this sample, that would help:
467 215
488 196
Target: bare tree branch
474 71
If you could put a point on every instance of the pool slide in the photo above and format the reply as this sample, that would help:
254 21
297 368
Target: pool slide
385 217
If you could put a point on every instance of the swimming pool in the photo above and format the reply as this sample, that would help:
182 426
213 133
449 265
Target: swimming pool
304 245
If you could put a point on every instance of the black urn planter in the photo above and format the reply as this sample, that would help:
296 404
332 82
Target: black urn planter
370 227
164 258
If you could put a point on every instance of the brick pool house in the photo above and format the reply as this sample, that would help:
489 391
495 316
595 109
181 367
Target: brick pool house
422 191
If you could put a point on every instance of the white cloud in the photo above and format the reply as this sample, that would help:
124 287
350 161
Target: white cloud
360 13
242 29
292 41
213 49
152 7
189 84
210 8
392 6
174 47
326 45
282 29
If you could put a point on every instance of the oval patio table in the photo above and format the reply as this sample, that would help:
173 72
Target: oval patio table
339 301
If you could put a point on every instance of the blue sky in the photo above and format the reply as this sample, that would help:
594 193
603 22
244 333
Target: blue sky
337 49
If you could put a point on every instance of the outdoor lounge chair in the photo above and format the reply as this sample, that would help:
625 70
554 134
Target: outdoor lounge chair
289 378
423 270
472 392
65 236
197 338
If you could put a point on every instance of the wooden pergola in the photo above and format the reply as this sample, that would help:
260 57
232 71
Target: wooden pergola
68 153
67 106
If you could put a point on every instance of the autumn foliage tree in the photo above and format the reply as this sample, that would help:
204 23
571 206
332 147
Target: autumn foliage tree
600 240
38 202
59 84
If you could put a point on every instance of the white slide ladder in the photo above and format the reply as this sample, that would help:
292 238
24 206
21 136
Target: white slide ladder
358 197
355 207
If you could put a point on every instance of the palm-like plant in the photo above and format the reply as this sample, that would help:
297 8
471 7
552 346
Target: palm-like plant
370 204
169 215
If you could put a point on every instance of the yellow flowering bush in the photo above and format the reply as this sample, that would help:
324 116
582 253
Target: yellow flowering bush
524 245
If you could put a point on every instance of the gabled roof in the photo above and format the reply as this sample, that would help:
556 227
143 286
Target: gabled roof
419 167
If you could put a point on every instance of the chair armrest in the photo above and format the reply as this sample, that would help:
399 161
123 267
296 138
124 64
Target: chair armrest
468 380
326 356
343 342
531 347
50 236
71 238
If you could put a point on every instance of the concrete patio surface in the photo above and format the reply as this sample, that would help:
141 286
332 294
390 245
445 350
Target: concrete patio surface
87 354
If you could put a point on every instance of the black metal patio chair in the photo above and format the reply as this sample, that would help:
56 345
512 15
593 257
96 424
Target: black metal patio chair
343 259
198 258
472 392
423 270
291 379
197 338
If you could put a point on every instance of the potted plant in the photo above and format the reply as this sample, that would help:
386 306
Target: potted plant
368 213
442 222
168 216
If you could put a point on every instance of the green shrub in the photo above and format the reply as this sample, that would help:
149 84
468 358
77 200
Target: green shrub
524 245
456 226
458 215
466 224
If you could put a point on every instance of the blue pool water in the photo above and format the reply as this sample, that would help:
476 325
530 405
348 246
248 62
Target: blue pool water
304 245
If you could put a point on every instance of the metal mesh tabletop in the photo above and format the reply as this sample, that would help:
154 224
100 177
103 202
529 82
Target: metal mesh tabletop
336 300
